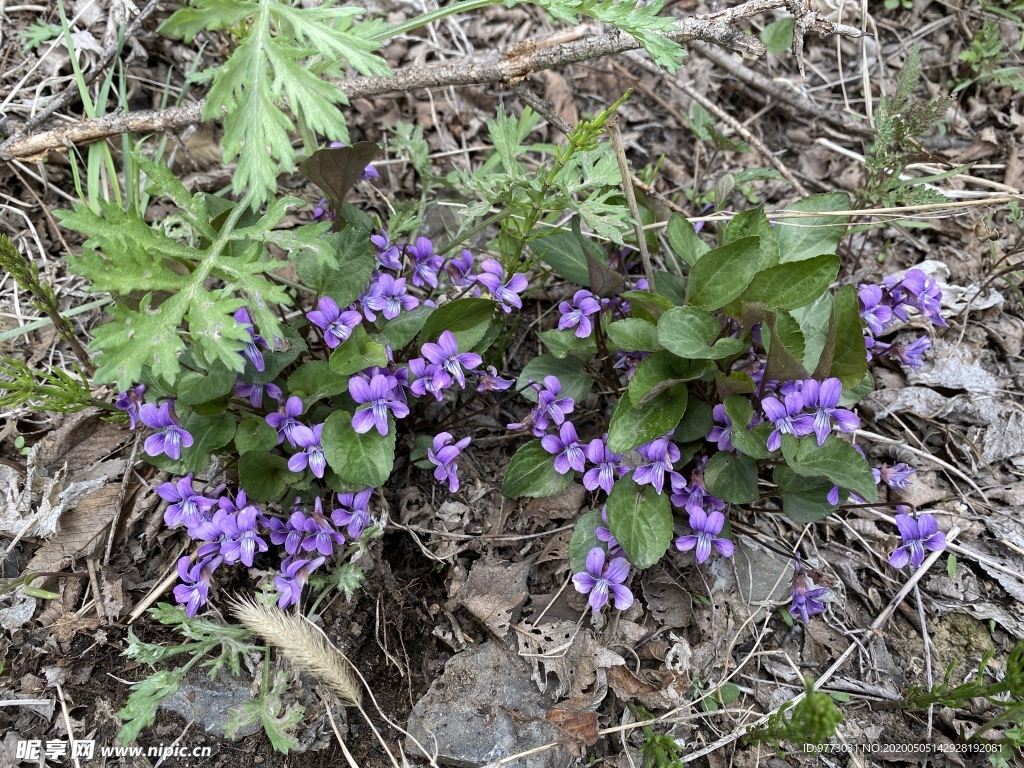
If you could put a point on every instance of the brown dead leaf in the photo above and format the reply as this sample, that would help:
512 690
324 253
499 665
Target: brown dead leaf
1014 174
494 593
563 648
81 532
578 729
561 506
668 602
629 687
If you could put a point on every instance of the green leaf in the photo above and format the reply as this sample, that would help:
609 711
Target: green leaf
804 238
837 460
778 36
576 382
853 395
751 442
754 223
685 241
264 476
342 269
671 287
794 284
277 718
845 348
696 422
357 353
208 434
565 254
723 274
401 330
689 333
316 380
364 460
732 478
646 305
814 321
561 343
194 388
254 434
660 371
467 319
640 520
531 472
139 712
785 343
804 499
633 335
632 426
583 540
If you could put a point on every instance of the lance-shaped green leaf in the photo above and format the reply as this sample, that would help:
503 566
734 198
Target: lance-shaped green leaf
793 284
753 223
467 319
732 478
785 342
836 460
694 333
640 520
845 352
685 241
723 274
362 460
632 426
531 472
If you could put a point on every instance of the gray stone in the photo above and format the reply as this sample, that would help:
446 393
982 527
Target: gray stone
483 708
209 703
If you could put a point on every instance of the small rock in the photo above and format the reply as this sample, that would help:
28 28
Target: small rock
483 708
210 703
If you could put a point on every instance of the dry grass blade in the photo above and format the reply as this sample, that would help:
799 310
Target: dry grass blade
302 645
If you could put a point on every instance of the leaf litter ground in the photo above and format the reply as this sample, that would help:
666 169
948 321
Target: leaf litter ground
455 574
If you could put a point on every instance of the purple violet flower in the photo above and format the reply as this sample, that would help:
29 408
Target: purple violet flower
426 263
130 402
388 296
336 325
823 400
911 355
171 438
186 507
194 589
239 538
460 269
378 397
608 466
566 448
805 602
897 476
707 527
285 421
659 455
443 455
255 392
490 381
446 354
252 350
721 435
600 580
313 455
320 534
876 314
788 418
289 533
549 406
604 534
694 496
293 577
628 361
507 295
918 535
430 378
577 315
354 512
388 255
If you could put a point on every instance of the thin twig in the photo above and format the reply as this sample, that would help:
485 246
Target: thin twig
634 210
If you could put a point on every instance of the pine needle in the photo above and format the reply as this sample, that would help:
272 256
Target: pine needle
303 645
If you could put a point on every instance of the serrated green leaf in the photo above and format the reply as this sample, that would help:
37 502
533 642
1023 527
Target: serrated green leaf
685 241
634 335
531 472
793 284
804 238
778 36
804 499
254 434
814 321
467 319
264 476
632 426
563 252
583 540
646 305
316 380
576 382
723 274
343 269
732 478
365 460
690 331
139 712
640 520
785 343
671 287
836 460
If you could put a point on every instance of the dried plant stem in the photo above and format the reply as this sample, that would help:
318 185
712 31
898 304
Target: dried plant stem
634 210
512 67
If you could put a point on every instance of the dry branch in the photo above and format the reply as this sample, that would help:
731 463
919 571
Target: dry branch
508 68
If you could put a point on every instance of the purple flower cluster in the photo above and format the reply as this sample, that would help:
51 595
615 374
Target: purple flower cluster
577 315
806 599
882 306
602 579
807 407
918 535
